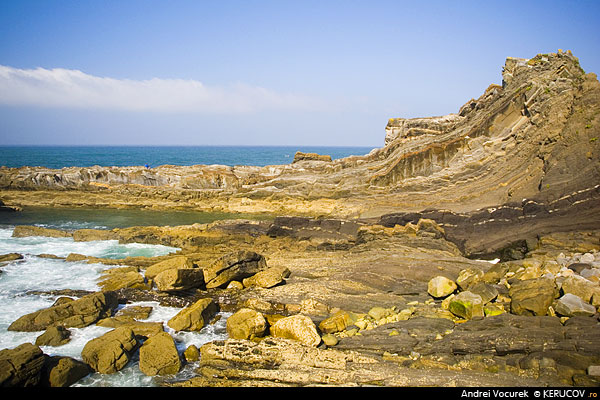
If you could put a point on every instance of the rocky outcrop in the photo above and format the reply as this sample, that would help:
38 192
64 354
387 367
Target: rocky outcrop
78 313
158 356
21 366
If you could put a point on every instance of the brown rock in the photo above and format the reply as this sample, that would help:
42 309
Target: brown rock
268 278
63 371
158 356
233 266
21 366
246 324
174 280
77 313
110 352
54 336
532 296
171 263
194 317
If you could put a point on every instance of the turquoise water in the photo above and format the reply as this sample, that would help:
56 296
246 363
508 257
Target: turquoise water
123 156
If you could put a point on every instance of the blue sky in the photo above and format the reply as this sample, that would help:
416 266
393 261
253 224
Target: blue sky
261 72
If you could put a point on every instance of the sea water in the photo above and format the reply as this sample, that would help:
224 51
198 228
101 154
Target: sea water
21 279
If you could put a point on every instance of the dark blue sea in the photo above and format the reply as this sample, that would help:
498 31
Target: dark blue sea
123 156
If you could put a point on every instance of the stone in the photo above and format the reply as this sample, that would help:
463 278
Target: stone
532 296
246 324
329 339
54 336
139 328
76 314
580 286
487 292
378 313
495 273
300 156
594 370
297 327
61 371
21 366
191 354
159 356
233 266
179 279
195 316
468 277
466 305
10 257
110 352
171 263
117 279
570 305
268 278
27 230
440 287
337 322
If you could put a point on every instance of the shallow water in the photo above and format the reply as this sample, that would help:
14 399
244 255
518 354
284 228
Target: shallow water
34 273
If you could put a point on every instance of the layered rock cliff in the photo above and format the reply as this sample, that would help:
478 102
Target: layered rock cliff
519 161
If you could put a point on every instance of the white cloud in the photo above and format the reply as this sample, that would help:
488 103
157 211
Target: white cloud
65 88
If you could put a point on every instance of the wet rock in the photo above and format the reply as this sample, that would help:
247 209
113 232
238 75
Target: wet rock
297 327
158 356
246 324
118 278
195 316
10 257
76 314
63 371
233 266
110 352
21 366
532 296
26 230
54 336
191 354
440 286
139 328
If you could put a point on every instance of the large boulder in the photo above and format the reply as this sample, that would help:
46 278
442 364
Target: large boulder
74 314
246 324
159 356
194 317
54 336
297 327
532 296
174 280
21 366
171 263
233 266
268 278
440 286
110 352
63 371
118 278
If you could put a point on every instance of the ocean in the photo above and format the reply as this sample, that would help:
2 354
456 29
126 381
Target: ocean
19 279
57 157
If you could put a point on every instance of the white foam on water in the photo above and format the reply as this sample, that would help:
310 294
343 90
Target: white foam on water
18 278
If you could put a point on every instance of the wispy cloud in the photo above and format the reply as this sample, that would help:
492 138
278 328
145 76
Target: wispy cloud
66 88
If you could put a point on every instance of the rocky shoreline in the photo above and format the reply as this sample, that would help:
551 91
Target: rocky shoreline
351 305
371 270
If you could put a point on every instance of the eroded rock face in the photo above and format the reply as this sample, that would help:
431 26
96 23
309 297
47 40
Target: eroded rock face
21 366
234 266
158 356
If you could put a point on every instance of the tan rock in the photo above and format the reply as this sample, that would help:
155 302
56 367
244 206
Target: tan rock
233 266
246 324
337 322
110 352
177 279
77 313
440 286
297 327
54 336
26 230
194 317
466 305
171 263
158 356
63 371
21 366
468 276
191 354
267 278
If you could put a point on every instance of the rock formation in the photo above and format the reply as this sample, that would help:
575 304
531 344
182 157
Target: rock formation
367 271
